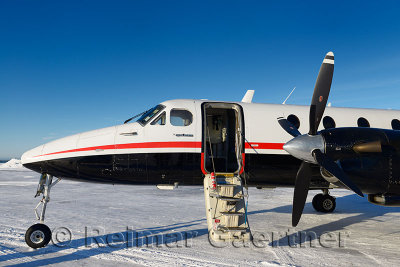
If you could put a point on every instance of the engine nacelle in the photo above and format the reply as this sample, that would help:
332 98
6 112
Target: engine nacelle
385 200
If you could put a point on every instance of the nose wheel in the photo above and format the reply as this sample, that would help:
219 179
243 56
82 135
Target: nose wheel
324 203
39 235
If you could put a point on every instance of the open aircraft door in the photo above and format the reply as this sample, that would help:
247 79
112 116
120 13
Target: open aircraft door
222 138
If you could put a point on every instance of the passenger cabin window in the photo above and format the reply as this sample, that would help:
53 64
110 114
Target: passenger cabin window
395 124
362 122
181 117
294 120
160 120
328 122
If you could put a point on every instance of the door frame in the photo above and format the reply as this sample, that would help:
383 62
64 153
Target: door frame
223 105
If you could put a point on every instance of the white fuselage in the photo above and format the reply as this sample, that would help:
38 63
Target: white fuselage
262 131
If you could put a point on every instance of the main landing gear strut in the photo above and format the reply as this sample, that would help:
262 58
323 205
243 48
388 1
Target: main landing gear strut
324 202
39 235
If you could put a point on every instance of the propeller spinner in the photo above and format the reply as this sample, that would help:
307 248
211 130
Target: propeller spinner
310 148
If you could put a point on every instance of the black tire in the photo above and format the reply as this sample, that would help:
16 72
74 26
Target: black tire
38 235
327 204
316 202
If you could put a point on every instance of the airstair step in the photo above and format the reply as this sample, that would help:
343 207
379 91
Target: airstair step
226 198
231 213
227 185
229 198
232 229
226 208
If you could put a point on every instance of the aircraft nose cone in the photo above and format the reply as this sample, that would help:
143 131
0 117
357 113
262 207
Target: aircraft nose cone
302 146
30 156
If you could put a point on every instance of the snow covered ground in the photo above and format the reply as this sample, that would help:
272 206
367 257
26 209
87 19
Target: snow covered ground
11 164
169 228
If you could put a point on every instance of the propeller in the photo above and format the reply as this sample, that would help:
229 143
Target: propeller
311 147
288 126
329 165
321 92
302 184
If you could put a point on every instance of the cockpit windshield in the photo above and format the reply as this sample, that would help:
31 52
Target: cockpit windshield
148 115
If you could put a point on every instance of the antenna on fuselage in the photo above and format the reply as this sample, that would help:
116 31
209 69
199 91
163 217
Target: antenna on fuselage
284 102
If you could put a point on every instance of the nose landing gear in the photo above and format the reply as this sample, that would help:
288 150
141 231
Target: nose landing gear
39 235
324 202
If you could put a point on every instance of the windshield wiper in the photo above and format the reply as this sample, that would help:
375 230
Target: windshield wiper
134 117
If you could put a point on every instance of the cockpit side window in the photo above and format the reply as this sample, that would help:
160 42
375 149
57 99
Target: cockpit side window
160 120
151 113
181 117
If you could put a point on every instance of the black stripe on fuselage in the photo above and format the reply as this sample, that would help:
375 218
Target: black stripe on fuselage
168 168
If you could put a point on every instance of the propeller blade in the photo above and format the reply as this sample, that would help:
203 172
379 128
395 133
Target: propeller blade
329 165
301 191
288 127
321 92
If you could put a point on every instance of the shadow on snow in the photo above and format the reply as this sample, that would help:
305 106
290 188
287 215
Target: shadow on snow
167 235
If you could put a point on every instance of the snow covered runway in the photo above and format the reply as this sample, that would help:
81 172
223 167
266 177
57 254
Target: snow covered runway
141 225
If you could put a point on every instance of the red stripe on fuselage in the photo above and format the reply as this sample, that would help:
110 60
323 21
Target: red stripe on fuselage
132 146
188 144
159 145
256 146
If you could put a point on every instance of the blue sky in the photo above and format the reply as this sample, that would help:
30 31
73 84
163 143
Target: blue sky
73 66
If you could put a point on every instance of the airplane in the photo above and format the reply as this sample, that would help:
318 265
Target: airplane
181 141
